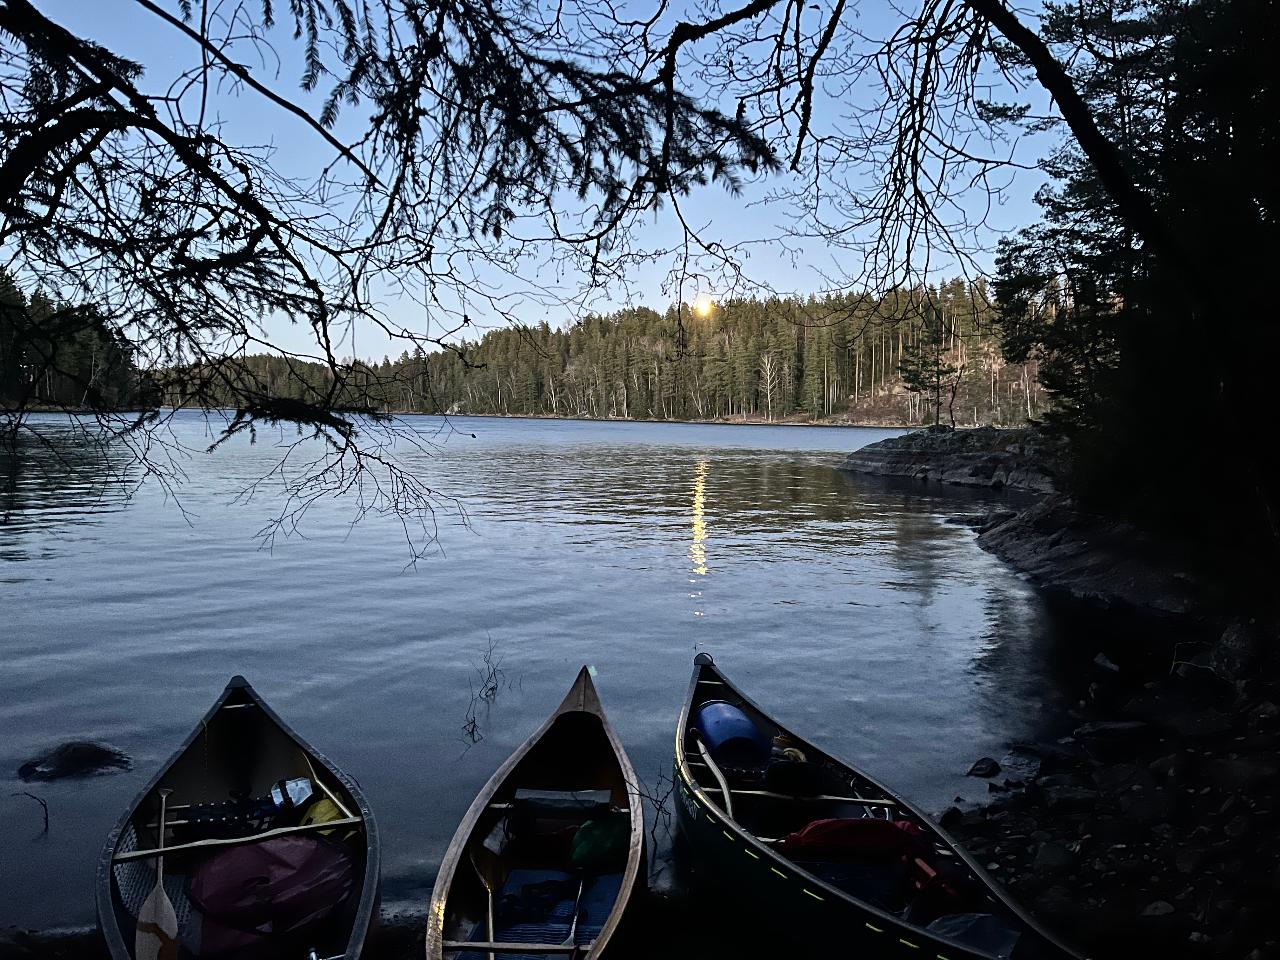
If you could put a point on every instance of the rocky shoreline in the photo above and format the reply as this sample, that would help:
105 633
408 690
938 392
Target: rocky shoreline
1105 563
1151 833
1058 546
990 457
1149 830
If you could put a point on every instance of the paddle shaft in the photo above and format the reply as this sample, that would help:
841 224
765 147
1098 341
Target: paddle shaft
164 802
573 924
156 932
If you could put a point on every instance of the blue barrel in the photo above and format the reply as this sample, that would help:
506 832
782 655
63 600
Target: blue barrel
731 736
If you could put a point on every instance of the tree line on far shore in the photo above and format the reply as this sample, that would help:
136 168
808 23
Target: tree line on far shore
64 356
918 356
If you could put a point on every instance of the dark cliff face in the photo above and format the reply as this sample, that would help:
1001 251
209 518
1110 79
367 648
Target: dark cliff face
982 457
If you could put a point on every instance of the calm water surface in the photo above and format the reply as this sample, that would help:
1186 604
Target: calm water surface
849 605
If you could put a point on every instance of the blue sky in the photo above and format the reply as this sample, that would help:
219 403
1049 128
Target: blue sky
130 30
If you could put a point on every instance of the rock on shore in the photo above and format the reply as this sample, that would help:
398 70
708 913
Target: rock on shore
1099 560
1150 830
981 457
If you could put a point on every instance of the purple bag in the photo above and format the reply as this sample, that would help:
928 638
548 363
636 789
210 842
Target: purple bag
251 897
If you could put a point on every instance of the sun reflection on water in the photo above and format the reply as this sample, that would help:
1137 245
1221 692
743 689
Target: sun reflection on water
697 548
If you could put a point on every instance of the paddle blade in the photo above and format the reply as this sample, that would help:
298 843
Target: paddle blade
157 932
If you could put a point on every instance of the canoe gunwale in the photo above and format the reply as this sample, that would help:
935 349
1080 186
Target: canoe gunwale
581 698
765 853
104 881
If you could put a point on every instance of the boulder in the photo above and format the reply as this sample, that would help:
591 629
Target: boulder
985 767
76 758
1240 648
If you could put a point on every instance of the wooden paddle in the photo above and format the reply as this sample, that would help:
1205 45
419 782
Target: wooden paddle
157 931
573 925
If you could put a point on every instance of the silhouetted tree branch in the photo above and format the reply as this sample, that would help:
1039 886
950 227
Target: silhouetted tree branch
497 134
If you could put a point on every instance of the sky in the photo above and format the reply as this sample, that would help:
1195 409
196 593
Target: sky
127 28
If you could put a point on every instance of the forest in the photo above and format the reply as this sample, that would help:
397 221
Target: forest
914 356
62 356
1138 302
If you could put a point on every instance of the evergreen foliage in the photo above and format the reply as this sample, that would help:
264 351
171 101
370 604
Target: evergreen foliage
834 356
63 356
1156 373
925 368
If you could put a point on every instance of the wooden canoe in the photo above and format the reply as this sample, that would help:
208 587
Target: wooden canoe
524 831
744 832
240 748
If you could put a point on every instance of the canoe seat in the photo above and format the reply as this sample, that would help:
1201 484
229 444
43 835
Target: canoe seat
565 803
535 907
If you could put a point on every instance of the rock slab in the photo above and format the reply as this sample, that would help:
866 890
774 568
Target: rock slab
980 457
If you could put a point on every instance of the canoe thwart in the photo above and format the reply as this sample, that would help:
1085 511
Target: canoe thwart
236 841
823 797
512 806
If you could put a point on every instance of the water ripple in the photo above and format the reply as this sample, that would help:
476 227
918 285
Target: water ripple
847 605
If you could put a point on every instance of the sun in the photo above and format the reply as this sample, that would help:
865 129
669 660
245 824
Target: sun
704 306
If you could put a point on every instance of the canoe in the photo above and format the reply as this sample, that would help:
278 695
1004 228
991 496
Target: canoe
268 849
546 858
825 853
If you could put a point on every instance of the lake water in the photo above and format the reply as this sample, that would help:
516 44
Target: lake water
851 606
